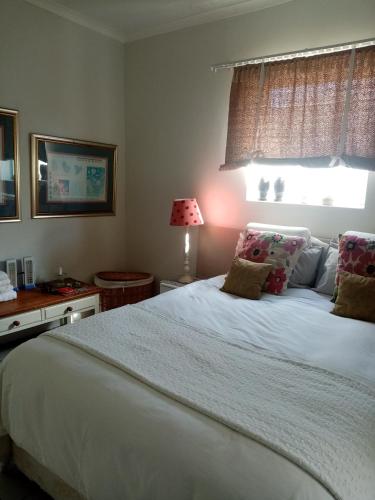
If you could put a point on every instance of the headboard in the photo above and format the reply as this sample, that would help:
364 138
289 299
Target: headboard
216 246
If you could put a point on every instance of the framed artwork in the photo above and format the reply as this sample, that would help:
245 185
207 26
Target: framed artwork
9 166
72 178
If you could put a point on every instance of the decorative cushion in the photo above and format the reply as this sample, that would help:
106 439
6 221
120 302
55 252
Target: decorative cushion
273 248
246 278
356 297
304 232
306 269
356 255
326 276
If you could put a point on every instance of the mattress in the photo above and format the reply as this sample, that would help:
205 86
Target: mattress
107 435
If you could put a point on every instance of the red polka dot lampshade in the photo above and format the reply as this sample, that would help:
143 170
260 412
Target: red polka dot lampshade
185 212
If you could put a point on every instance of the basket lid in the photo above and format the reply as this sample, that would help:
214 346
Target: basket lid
122 276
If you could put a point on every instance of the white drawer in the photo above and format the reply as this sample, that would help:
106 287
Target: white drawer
69 307
19 321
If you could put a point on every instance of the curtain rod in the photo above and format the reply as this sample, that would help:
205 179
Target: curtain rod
298 53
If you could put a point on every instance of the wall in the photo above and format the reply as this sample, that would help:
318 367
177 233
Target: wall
67 81
177 116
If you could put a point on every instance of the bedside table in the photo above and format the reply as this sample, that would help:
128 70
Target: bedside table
168 285
34 312
33 308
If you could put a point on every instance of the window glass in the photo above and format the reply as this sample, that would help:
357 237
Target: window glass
337 187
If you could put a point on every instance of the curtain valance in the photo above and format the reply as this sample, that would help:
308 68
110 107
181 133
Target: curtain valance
315 111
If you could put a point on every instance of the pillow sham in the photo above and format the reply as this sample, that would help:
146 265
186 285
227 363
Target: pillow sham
246 278
356 255
326 276
304 232
280 250
355 297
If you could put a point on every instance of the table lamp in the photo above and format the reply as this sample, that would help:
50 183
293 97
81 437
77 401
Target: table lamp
185 212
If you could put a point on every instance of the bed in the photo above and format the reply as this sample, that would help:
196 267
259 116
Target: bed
104 418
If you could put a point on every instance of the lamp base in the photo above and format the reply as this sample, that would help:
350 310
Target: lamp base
186 279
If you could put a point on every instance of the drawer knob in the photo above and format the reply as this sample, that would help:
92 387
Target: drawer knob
69 309
16 323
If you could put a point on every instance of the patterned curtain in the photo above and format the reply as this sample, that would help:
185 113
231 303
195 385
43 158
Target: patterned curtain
316 111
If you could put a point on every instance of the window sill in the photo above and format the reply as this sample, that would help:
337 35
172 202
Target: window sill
310 205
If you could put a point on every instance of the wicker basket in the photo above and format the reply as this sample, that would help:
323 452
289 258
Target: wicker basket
120 288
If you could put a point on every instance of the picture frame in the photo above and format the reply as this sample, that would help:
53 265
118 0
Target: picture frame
9 166
72 178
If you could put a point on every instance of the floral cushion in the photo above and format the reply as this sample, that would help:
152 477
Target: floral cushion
280 250
356 254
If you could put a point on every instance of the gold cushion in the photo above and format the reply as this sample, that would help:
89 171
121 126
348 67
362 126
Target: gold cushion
246 278
356 297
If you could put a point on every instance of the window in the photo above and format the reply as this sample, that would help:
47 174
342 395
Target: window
337 187
313 111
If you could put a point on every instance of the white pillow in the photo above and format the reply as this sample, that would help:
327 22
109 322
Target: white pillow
305 272
316 242
325 282
288 230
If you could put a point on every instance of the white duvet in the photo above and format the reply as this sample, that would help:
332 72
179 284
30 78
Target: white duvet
109 436
296 324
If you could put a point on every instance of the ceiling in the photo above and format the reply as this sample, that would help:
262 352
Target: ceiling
128 20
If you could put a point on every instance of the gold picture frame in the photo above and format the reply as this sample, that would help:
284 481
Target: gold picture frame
10 210
72 177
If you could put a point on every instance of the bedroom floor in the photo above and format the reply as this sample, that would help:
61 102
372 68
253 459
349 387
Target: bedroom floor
15 486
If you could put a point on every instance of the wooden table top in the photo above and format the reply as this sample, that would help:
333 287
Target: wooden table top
29 300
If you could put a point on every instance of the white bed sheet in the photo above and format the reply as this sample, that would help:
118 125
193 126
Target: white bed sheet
111 437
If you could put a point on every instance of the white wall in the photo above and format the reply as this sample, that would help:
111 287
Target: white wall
176 123
67 81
